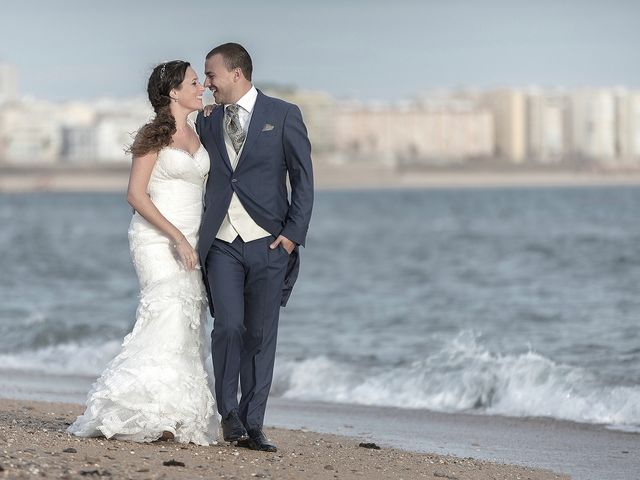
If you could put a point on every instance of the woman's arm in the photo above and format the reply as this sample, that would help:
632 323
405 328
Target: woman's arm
141 168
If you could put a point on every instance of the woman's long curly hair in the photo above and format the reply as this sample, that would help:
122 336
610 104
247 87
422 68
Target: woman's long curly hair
157 134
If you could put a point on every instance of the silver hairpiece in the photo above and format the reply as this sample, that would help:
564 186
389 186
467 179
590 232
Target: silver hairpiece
164 65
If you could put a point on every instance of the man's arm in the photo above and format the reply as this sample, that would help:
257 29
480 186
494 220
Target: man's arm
297 151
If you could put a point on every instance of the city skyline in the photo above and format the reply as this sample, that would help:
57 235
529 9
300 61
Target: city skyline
504 126
362 50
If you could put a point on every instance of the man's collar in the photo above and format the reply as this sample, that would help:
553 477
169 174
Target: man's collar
248 100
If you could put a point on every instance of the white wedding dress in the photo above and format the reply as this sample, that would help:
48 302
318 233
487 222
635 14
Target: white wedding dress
158 381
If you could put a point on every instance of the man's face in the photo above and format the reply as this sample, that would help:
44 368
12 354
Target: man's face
219 80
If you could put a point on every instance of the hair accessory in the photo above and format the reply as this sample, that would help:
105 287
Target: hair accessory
164 65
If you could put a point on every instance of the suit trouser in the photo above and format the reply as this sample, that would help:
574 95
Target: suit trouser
246 281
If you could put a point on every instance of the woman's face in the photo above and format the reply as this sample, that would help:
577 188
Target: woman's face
189 94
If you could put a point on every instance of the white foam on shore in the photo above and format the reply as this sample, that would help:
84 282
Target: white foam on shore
466 377
63 359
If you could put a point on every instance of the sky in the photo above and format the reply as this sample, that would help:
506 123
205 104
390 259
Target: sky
368 50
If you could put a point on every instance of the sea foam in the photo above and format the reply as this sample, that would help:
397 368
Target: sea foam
465 376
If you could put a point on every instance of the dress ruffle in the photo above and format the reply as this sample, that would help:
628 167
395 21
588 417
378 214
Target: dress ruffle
158 382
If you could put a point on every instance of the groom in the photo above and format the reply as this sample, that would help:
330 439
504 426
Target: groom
250 233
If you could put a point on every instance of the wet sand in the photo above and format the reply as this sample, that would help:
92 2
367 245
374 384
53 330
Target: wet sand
584 451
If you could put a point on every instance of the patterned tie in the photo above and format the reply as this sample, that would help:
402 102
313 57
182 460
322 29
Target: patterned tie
233 127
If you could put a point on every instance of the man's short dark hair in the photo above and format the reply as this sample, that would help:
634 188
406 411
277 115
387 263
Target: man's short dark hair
235 56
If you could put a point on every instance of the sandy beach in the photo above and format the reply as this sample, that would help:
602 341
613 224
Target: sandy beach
114 178
34 444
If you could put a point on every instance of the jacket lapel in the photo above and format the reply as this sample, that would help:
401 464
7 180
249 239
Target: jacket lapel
218 135
258 119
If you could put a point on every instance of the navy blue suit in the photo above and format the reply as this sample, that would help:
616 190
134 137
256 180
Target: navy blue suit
248 282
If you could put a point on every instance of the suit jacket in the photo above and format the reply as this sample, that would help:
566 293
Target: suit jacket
276 145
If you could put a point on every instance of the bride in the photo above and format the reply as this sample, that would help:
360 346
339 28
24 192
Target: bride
157 386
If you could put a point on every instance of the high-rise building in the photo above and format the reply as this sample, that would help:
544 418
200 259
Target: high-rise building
545 127
412 135
592 124
8 83
628 126
113 134
100 132
29 133
508 108
78 133
79 144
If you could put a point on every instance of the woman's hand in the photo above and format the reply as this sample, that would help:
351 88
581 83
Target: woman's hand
208 109
186 253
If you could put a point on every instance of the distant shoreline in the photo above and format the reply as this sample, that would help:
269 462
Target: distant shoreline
115 178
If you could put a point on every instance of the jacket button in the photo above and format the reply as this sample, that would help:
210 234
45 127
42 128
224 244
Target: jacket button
234 180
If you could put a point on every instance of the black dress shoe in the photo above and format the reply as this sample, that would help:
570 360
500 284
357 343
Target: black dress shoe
232 428
257 441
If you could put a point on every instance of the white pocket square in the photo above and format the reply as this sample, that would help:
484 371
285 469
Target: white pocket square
267 127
